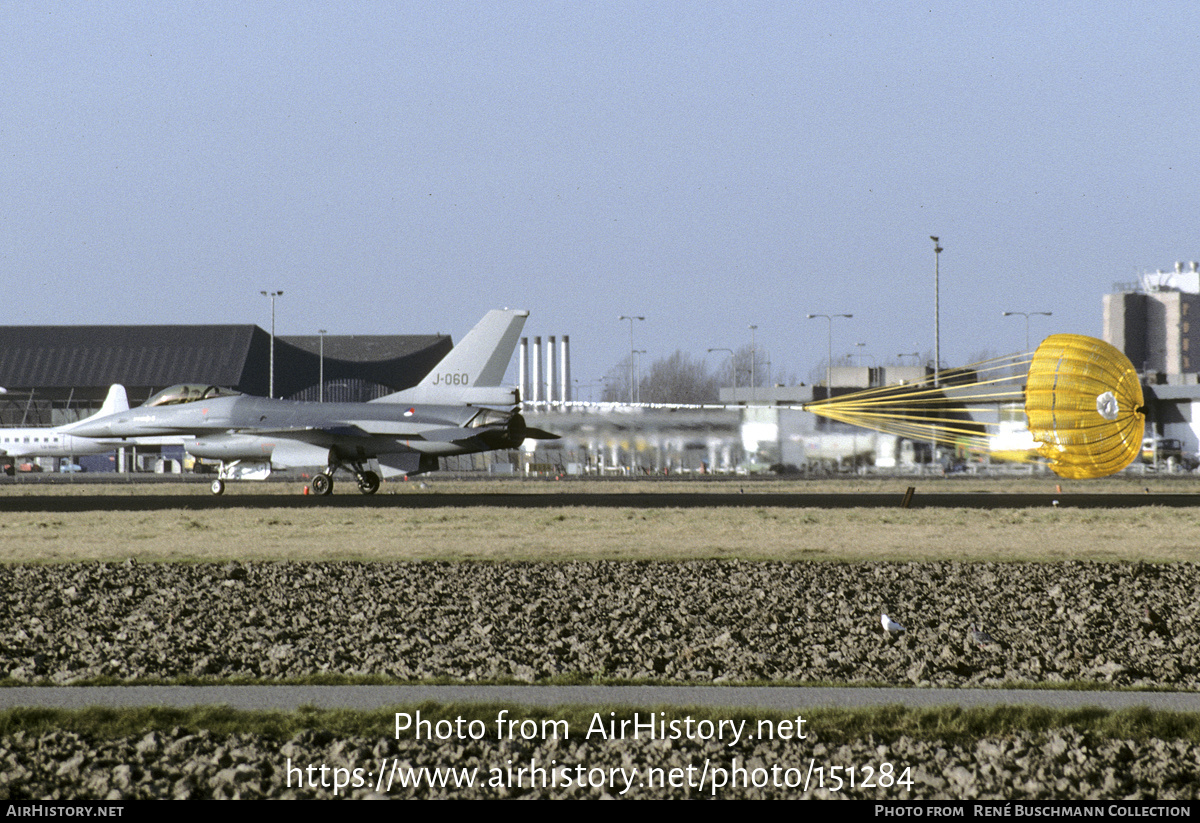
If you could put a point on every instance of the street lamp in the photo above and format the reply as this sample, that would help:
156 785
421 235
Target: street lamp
829 355
937 310
1026 315
862 353
732 368
630 318
271 379
639 373
753 364
321 385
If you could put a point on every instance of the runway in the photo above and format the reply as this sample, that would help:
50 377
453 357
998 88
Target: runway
365 698
201 500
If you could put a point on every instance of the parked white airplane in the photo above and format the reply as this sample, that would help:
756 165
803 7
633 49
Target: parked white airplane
57 441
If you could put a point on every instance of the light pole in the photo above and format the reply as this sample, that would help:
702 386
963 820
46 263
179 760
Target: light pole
321 385
829 351
1026 315
753 363
863 353
937 310
630 318
732 368
271 379
639 373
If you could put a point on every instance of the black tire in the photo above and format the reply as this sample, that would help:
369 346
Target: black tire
368 482
321 485
218 486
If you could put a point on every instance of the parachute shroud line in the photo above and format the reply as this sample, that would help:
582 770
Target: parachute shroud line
1081 398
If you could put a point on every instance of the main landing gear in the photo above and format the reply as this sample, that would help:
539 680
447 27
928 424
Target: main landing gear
367 480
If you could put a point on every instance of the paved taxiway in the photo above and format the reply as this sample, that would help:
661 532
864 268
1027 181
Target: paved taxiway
287 698
201 500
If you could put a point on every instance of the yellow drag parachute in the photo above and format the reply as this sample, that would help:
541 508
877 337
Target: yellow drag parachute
1081 398
1084 403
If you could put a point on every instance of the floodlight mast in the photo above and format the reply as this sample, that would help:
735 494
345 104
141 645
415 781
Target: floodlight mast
271 379
630 318
937 312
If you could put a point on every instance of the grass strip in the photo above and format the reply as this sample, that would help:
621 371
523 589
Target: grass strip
827 726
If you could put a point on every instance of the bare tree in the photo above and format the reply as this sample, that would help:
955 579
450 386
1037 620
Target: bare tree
678 379
616 383
745 368
675 379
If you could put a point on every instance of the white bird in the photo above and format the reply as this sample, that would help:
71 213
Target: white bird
890 625
980 636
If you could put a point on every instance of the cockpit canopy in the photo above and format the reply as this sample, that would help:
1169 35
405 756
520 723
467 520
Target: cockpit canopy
188 393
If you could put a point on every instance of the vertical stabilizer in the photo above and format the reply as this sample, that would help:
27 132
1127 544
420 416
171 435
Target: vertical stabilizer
481 358
478 362
115 401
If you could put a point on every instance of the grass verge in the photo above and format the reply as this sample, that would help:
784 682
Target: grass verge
826 725
498 534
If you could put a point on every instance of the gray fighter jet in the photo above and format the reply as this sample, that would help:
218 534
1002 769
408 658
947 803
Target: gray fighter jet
459 408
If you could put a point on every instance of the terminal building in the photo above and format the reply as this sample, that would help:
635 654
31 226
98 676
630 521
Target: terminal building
1155 321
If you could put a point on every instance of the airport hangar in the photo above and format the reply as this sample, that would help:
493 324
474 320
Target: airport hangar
56 374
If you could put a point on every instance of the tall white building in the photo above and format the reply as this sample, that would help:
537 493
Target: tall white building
1156 322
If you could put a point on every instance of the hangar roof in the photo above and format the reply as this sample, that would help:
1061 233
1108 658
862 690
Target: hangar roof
80 362
363 348
65 357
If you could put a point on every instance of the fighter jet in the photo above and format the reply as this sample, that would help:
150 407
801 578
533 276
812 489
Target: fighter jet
61 441
459 408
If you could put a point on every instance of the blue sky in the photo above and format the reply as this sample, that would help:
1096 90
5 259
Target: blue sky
403 167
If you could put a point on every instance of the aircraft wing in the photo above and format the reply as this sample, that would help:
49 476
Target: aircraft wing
387 428
365 430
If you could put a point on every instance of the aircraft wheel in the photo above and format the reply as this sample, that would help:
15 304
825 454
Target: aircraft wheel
218 487
322 484
368 482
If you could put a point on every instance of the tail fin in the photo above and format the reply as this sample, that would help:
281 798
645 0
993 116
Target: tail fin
115 401
474 369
